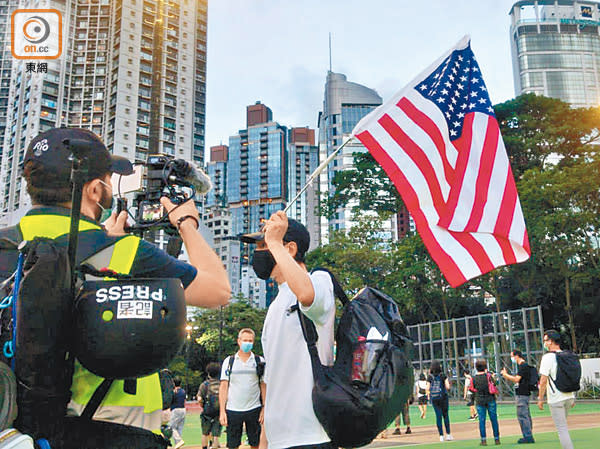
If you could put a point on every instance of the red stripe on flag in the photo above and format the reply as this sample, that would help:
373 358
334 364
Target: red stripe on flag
526 243
447 265
475 249
486 165
505 218
417 155
429 126
507 250
463 146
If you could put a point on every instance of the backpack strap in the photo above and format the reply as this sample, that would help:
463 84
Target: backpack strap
230 367
309 331
338 291
96 399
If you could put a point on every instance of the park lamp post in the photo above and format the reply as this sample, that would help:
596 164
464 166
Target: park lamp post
188 330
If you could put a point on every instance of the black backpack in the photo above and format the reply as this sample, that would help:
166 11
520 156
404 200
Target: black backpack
210 400
534 379
37 348
167 385
352 413
568 372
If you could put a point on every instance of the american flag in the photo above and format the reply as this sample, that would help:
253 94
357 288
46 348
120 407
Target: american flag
439 142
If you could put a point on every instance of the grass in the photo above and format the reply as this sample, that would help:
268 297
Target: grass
460 412
192 434
582 439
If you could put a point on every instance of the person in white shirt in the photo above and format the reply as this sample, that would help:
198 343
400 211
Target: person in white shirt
421 387
242 393
289 417
559 403
469 396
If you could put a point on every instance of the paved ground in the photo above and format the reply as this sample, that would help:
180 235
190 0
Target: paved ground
470 430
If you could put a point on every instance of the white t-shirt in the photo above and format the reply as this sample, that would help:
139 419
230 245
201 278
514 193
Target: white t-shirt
421 384
244 390
548 367
289 416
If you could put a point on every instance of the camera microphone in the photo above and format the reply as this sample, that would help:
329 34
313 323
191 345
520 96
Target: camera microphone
193 175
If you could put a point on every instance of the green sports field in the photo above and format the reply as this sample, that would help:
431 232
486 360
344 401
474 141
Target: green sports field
582 439
459 413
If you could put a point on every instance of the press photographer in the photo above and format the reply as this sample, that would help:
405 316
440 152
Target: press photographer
114 411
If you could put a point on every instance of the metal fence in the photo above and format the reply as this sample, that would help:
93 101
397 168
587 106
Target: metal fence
459 342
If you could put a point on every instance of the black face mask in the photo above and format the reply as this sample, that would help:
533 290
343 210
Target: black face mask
263 263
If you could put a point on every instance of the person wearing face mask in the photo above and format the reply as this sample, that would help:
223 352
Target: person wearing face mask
47 172
242 392
289 417
559 402
521 379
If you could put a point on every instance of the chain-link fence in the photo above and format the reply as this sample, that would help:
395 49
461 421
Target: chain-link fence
459 342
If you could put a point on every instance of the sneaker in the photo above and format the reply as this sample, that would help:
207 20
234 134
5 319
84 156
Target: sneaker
442 438
178 445
526 441
497 442
408 431
397 431
483 443
472 418
449 437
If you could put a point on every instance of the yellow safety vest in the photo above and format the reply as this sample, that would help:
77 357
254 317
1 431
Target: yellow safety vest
142 409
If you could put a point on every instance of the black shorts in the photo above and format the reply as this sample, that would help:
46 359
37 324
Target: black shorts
422 400
210 426
470 399
234 427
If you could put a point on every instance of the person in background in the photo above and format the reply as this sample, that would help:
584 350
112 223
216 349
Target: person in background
438 395
421 387
559 403
486 401
208 398
521 379
178 413
469 396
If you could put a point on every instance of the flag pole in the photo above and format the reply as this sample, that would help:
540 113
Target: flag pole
317 172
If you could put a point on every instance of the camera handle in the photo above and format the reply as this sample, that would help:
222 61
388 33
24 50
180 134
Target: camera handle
79 173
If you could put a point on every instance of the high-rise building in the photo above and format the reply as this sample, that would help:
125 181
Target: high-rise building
256 186
345 103
218 221
556 49
256 170
6 9
132 72
217 170
303 159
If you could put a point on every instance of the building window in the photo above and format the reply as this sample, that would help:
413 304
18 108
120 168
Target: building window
126 136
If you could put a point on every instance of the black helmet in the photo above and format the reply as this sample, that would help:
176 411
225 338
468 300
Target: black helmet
129 328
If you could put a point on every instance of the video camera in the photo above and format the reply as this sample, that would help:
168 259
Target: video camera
161 175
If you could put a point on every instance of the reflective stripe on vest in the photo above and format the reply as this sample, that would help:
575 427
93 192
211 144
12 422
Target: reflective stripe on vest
143 409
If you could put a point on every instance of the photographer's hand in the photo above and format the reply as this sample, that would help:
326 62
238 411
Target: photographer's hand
210 287
115 225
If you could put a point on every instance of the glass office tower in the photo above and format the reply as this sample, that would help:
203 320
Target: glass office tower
556 50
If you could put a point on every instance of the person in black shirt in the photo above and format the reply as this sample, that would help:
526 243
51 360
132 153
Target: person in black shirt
521 379
178 413
437 392
485 401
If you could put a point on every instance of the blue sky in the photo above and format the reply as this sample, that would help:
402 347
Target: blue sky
276 51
